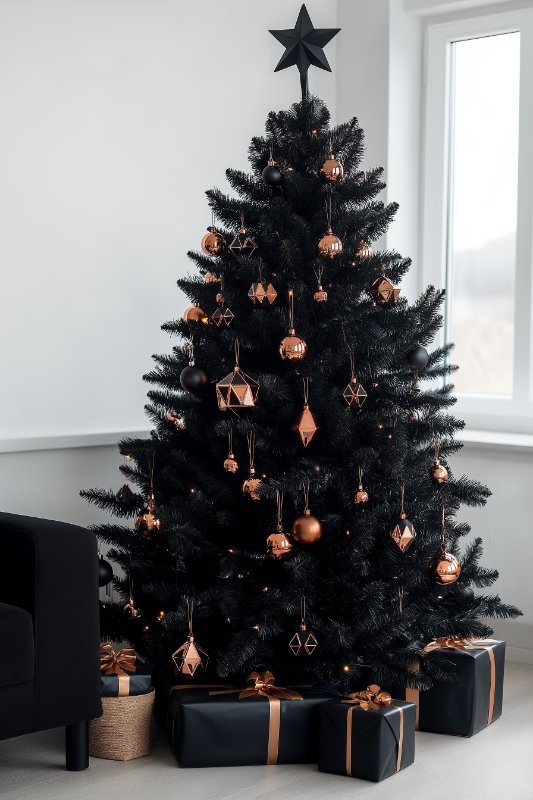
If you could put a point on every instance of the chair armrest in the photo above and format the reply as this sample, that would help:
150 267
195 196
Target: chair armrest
51 570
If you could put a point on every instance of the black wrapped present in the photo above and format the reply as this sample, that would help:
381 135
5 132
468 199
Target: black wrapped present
261 724
121 675
367 735
474 700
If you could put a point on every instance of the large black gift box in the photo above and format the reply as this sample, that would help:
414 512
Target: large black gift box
470 703
215 730
370 744
128 685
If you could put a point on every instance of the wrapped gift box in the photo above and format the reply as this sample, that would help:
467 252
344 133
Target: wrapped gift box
129 685
472 702
214 727
362 737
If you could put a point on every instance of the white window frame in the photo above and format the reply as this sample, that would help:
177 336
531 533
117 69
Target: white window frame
483 412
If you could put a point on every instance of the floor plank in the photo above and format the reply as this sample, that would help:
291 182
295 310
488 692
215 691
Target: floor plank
497 764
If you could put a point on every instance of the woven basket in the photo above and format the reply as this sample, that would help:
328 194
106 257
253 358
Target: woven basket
123 731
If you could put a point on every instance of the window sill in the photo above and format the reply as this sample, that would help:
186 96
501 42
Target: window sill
518 442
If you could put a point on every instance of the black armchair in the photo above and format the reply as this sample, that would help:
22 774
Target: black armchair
49 631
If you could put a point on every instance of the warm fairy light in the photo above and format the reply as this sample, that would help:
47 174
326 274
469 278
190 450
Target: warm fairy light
347 533
231 550
228 620
225 577
146 628
239 575
380 426
265 588
290 292
389 436
193 490
161 615
346 668
256 627
264 475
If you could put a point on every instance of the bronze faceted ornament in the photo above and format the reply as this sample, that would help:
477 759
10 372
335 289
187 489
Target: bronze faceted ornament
403 534
237 390
242 244
304 641
261 291
383 292
306 424
190 658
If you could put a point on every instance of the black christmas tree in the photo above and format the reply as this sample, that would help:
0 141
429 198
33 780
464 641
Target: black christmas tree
296 496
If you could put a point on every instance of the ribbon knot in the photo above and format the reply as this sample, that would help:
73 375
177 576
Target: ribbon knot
263 684
448 643
370 698
117 662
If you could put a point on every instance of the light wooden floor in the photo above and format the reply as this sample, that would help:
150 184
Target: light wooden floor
497 764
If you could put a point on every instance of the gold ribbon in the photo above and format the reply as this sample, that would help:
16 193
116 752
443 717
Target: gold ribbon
371 699
458 643
118 663
263 684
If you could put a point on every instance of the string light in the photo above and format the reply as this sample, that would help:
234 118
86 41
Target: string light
346 668
265 588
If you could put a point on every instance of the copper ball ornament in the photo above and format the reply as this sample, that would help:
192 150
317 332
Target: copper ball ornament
331 170
251 485
195 314
320 296
364 251
360 497
292 347
147 524
445 568
230 464
306 529
213 243
278 545
438 472
330 246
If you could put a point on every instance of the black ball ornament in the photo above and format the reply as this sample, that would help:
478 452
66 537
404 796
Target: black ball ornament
271 175
192 378
417 358
105 572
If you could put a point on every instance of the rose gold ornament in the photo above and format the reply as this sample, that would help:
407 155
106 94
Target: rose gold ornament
360 497
210 277
306 425
237 390
251 484
445 568
213 243
330 246
320 296
259 292
195 314
403 534
438 471
242 244
304 641
383 292
331 170
278 544
354 394
130 609
147 523
292 348
230 464
364 251
306 529
223 316
190 658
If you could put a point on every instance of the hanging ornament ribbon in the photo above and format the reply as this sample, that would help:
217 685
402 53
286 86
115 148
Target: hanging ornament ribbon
371 699
118 663
458 643
262 684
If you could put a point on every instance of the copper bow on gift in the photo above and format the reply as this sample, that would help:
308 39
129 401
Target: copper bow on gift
118 663
263 684
371 699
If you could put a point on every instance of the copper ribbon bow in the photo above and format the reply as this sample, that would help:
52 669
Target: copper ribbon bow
263 684
458 643
118 663
371 699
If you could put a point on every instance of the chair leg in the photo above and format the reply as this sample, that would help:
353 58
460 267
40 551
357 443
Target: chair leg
77 746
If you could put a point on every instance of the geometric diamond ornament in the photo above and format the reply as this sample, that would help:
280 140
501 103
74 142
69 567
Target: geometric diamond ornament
189 658
403 534
237 390
354 393
306 426
304 642
242 244
259 292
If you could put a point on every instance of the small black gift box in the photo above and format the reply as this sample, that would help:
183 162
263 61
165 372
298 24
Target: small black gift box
474 700
366 735
260 724
122 675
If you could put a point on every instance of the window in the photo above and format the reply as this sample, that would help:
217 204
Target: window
478 209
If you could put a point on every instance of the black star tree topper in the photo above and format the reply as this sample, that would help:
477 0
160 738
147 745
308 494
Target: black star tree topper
303 47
